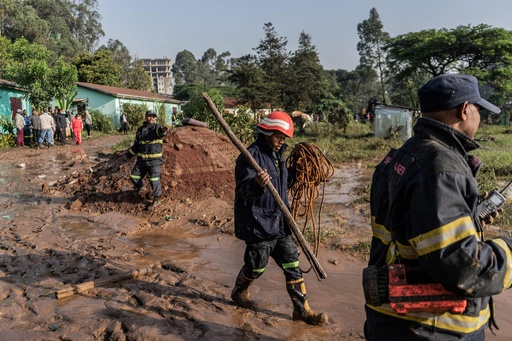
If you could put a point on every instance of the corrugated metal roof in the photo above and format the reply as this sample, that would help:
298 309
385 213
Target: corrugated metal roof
127 93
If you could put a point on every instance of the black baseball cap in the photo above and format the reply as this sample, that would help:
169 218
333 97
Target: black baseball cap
150 113
451 90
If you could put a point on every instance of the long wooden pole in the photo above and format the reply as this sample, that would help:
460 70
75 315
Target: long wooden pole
320 273
79 288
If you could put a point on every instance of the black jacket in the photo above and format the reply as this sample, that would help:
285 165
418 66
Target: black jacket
424 200
257 215
148 144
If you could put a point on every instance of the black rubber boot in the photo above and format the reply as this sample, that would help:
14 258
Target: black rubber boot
155 202
301 310
240 293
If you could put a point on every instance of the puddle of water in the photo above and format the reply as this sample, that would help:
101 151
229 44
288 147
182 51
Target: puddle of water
81 227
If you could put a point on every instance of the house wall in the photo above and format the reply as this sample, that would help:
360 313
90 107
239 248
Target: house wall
111 106
5 101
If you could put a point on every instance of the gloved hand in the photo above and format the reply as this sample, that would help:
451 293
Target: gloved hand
490 219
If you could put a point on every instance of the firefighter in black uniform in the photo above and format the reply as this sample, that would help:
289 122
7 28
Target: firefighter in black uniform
148 148
425 215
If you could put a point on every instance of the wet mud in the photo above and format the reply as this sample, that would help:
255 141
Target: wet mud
68 216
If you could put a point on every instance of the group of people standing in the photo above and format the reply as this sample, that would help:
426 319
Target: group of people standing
49 126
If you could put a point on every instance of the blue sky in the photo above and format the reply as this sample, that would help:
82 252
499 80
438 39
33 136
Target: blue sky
162 28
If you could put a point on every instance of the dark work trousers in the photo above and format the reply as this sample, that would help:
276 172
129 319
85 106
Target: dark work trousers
140 170
62 135
282 250
36 133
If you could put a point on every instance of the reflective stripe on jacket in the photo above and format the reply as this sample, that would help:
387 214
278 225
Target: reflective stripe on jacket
148 143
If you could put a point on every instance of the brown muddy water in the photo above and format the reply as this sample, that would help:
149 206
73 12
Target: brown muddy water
44 247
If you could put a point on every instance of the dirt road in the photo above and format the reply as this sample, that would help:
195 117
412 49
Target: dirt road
46 244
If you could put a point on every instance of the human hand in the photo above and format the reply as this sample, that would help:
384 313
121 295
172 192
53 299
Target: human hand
495 214
164 129
262 178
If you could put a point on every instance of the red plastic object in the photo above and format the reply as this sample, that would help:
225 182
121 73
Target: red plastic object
405 298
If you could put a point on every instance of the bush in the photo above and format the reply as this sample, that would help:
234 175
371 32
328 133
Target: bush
101 123
7 136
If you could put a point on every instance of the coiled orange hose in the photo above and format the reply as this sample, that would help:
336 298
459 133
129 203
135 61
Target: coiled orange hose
313 169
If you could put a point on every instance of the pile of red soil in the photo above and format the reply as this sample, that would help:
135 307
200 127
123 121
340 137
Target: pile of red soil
198 164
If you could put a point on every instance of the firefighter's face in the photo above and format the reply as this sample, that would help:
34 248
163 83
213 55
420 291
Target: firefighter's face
276 140
473 120
151 118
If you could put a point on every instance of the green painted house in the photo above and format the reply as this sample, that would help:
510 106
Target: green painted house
110 99
11 99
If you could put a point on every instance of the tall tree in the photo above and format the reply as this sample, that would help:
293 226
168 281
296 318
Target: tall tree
246 74
98 68
86 23
273 57
185 69
138 78
482 51
306 81
371 47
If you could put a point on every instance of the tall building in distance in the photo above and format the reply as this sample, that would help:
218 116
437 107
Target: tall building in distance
160 72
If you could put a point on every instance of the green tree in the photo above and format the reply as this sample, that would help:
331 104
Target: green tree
246 74
483 51
138 78
185 69
198 108
98 68
86 23
306 78
371 47
273 58
29 67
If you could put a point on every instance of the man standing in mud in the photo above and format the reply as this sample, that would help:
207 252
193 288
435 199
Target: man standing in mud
148 148
426 219
260 222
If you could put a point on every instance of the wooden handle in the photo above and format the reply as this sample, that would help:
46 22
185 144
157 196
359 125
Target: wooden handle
79 288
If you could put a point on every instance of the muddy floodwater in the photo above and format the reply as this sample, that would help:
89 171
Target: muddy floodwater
46 246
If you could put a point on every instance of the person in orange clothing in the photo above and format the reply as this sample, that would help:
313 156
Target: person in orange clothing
77 126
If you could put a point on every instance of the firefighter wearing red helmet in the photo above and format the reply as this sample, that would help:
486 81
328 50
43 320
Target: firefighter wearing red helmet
261 224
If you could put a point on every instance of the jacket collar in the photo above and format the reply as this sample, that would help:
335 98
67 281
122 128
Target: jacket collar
445 134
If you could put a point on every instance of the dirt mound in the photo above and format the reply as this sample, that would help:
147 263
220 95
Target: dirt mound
198 164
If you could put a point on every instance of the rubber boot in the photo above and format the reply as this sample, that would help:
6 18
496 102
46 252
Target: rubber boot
240 293
301 310
154 203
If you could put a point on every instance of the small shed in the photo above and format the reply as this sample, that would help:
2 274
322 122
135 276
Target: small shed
110 99
393 121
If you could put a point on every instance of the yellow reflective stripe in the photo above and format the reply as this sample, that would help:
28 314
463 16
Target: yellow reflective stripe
443 236
260 270
380 232
291 265
134 176
149 156
154 179
131 151
392 254
407 251
150 142
295 281
507 281
455 322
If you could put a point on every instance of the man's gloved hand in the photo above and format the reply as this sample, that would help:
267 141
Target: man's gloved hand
490 219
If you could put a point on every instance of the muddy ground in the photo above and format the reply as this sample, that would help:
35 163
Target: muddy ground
68 215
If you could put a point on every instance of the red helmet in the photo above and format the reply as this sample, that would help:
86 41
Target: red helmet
278 120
